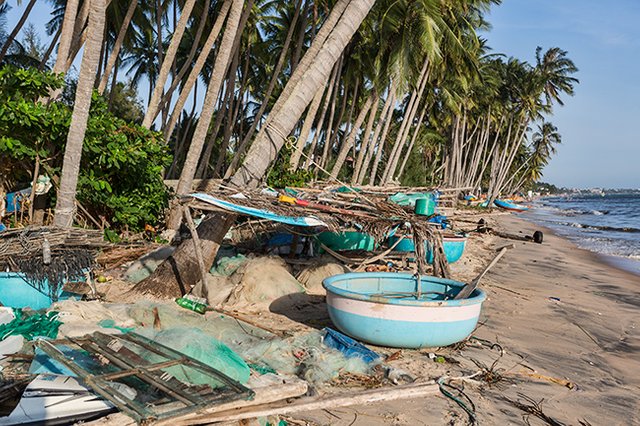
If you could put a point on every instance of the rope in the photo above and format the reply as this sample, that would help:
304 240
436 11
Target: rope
470 410
289 143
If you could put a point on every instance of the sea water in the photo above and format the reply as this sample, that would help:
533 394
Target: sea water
609 224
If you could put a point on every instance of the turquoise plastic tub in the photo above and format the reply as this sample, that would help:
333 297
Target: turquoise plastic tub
383 309
16 292
453 246
349 240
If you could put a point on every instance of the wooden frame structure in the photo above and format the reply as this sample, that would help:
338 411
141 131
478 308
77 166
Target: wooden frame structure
121 355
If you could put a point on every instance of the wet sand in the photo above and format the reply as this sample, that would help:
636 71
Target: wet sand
568 325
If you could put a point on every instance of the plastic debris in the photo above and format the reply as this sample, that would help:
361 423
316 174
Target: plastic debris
32 326
348 346
195 304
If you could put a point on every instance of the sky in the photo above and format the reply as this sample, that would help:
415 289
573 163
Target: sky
599 125
600 141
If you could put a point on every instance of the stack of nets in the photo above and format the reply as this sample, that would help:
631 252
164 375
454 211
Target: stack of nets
72 255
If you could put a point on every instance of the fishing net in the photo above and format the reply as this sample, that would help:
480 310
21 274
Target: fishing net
65 266
303 355
196 344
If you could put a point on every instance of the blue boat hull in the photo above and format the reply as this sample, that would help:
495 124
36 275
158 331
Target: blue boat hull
17 293
453 247
510 206
367 307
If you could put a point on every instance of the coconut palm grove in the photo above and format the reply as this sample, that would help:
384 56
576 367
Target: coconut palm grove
122 96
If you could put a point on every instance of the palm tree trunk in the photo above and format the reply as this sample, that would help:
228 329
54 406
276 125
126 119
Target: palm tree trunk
308 58
115 52
181 142
65 205
413 141
268 92
302 30
325 108
114 83
79 34
47 54
271 137
306 128
103 59
11 37
232 111
334 125
197 68
188 62
176 275
167 62
351 139
217 76
224 102
66 34
376 133
366 140
410 114
383 138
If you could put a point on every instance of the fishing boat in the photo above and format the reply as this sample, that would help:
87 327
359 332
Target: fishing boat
452 244
510 205
401 310
17 292
56 400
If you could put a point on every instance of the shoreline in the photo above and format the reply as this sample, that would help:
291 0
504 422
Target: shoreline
621 263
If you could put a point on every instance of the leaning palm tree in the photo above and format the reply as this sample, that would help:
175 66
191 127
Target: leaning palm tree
310 74
65 206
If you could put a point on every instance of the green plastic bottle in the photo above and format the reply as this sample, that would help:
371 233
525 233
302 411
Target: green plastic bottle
193 305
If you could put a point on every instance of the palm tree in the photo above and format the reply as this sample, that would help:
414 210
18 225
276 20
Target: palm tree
168 60
65 206
213 89
141 57
12 36
554 69
311 76
115 52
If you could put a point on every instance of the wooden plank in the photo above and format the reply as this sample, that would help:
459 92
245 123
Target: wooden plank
268 388
319 403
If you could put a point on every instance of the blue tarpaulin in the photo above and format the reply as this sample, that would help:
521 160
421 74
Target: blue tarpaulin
262 214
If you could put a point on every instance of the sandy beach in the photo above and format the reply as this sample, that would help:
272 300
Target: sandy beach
556 344
567 325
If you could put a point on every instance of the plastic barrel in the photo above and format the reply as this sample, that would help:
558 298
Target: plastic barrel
424 206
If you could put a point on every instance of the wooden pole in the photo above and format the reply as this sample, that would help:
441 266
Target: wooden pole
198 250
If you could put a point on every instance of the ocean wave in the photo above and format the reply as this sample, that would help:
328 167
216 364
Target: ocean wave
611 228
599 227
574 212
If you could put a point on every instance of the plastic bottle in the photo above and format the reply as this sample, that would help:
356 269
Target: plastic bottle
191 304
